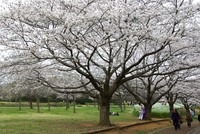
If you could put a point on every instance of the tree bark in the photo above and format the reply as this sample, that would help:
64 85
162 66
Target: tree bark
148 112
104 111
171 108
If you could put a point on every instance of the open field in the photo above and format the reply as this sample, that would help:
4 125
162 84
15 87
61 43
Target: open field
61 121
56 121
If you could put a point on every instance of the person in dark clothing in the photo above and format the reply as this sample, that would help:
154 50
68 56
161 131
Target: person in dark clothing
114 114
188 118
176 119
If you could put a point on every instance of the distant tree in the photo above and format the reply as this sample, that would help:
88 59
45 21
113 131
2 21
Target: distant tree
189 95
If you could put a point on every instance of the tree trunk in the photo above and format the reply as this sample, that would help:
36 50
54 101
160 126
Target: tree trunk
66 105
38 105
148 112
187 107
30 102
67 101
171 98
120 103
104 112
20 103
124 105
74 103
48 104
171 108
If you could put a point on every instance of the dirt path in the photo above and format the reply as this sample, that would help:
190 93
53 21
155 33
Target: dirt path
164 127
145 127
184 129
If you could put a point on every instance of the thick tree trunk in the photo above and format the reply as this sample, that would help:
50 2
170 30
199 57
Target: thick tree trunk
38 104
148 112
171 108
104 112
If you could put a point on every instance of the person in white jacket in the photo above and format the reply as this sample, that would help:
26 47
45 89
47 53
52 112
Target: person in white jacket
140 111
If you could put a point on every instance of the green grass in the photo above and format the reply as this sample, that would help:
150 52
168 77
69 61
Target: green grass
56 121
61 121
26 104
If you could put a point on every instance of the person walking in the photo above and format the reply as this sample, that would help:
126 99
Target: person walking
140 111
192 112
188 118
175 118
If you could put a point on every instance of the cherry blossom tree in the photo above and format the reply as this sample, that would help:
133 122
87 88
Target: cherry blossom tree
189 95
122 95
99 44
178 90
150 90
18 90
171 99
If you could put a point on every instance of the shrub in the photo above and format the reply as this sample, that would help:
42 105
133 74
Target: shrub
155 114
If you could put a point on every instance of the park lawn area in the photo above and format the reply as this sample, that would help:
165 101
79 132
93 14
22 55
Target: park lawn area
56 121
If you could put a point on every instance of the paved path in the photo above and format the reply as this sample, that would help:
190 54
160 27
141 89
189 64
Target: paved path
184 130
195 131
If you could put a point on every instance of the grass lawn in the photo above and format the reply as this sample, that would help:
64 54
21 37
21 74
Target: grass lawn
61 121
56 121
